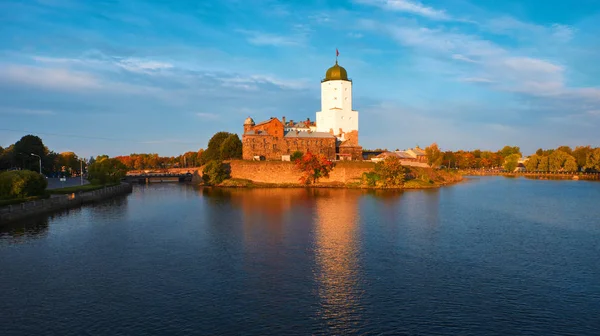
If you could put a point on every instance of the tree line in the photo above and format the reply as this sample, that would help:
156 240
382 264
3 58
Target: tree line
563 158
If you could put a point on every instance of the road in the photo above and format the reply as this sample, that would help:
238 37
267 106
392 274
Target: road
55 183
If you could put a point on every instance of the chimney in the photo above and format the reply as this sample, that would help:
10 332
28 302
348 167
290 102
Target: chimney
283 120
308 121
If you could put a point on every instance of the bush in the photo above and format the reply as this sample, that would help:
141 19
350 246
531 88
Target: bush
297 155
214 173
21 184
106 170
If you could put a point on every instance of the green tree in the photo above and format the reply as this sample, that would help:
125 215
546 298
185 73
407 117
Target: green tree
434 155
580 153
313 167
560 161
27 145
213 150
565 149
571 164
543 165
390 171
231 148
21 184
539 152
297 155
214 172
508 150
532 163
511 162
106 170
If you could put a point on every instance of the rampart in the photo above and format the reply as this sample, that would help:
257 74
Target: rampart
286 172
15 212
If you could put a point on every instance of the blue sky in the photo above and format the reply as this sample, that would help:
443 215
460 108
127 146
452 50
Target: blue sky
118 77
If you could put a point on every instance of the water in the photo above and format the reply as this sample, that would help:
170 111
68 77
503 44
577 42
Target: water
491 256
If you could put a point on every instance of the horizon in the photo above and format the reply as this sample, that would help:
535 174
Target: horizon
146 77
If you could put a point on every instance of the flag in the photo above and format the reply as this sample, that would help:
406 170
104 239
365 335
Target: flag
337 53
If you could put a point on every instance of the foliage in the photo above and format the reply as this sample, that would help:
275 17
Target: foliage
560 161
391 172
371 179
213 151
106 170
593 160
231 148
508 151
214 172
511 162
297 155
434 155
21 184
313 167
532 163
580 153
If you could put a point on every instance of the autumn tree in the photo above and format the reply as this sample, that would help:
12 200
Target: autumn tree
511 162
390 171
313 167
532 163
434 155
297 155
580 153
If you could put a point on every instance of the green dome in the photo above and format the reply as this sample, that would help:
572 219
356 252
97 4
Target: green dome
336 72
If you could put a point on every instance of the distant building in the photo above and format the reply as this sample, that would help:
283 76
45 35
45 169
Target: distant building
334 133
410 157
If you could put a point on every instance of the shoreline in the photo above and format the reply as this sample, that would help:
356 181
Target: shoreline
15 212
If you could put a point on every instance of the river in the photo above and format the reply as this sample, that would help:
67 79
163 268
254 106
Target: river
490 256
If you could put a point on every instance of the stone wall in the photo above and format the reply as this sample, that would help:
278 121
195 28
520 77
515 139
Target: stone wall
272 148
19 211
286 172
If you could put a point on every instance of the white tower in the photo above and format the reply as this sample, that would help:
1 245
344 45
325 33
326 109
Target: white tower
336 115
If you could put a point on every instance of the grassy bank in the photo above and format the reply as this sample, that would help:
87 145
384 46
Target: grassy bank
416 178
80 188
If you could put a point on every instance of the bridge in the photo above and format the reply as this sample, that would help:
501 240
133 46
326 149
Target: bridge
158 177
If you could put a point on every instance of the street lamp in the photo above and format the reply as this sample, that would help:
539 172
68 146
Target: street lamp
40 161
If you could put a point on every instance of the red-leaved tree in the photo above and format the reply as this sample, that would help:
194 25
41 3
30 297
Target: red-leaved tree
313 167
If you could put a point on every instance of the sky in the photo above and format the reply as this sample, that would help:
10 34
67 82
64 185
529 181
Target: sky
120 77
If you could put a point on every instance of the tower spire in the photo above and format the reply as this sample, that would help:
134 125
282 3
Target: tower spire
337 53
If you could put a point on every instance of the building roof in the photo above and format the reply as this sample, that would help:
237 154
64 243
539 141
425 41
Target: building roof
249 121
336 72
294 134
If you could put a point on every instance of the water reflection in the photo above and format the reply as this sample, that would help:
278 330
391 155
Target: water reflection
19 232
336 254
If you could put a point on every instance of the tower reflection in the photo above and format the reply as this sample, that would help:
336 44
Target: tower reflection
336 254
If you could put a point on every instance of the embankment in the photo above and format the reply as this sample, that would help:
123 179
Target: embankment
15 212
281 172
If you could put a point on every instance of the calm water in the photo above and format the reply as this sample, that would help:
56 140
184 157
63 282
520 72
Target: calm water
491 256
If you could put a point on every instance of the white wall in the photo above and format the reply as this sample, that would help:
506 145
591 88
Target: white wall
336 107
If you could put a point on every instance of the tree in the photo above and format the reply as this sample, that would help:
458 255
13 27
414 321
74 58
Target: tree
313 167
434 155
213 151
231 148
390 171
21 183
580 153
560 161
532 163
508 150
571 164
69 161
106 170
565 149
27 145
511 162
593 160
214 173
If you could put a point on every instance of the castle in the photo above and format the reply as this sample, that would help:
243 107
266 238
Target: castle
334 133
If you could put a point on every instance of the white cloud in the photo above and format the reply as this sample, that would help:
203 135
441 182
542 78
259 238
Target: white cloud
460 57
22 111
204 115
407 6
476 80
139 65
268 39
61 79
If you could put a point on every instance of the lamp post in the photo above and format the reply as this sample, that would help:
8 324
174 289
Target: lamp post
40 161
81 171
